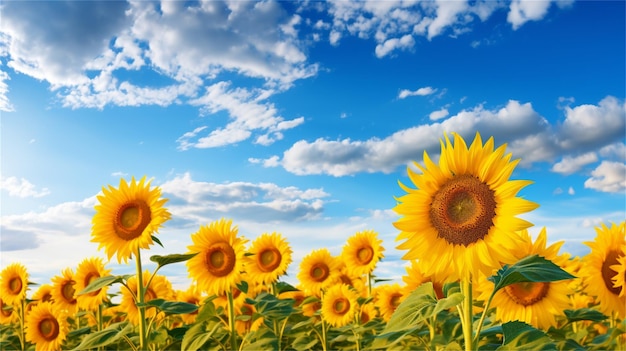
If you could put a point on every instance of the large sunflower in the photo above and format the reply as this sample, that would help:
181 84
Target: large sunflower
13 284
387 298
318 270
87 271
160 288
461 218
362 252
63 292
127 217
270 255
606 251
536 303
46 327
339 305
218 265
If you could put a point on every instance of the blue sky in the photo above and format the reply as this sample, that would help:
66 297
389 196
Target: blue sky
299 117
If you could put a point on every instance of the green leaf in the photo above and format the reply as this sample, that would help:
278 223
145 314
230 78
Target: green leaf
198 335
79 332
584 314
243 286
173 307
282 287
105 337
529 269
101 282
521 336
169 259
156 240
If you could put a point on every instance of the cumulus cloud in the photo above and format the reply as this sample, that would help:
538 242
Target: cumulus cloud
404 93
404 43
608 177
198 202
522 11
5 104
439 114
529 136
20 187
569 165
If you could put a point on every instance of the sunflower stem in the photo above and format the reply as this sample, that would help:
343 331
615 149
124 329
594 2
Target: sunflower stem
231 320
482 316
466 317
140 302
21 315
324 347
99 322
369 284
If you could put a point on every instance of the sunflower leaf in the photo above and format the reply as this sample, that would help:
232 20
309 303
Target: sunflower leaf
156 240
101 282
584 314
243 286
169 259
105 337
519 335
173 307
532 268
282 287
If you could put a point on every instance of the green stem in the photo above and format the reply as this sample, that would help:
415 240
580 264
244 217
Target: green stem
369 284
466 317
99 322
140 302
22 314
482 317
231 320
324 347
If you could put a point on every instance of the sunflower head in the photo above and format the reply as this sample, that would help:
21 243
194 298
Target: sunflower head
597 272
46 327
339 305
415 277
6 313
218 265
193 296
246 319
159 288
63 291
536 303
43 294
387 298
461 218
87 271
270 255
318 271
619 279
362 252
13 283
127 217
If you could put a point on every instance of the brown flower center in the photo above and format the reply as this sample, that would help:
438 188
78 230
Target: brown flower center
91 276
269 259
462 210
67 291
364 255
131 219
341 306
608 273
365 317
527 293
220 259
15 285
319 272
49 328
5 309
394 300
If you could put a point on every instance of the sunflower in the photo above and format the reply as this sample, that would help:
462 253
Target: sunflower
46 327
43 294
218 265
388 297
63 292
6 313
415 277
606 251
13 284
536 303
461 218
160 288
619 279
269 259
318 270
87 271
246 321
362 252
367 312
193 296
346 276
339 305
127 217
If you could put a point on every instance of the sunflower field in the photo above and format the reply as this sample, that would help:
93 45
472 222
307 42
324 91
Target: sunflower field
475 278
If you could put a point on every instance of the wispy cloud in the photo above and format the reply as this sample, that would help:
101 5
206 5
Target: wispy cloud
404 93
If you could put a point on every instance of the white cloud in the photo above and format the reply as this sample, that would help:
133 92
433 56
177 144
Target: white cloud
404 93
447 14
21 187
5 104
439 114
615 151
404 43
249 114
569 165
571 191
609 177
522 11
